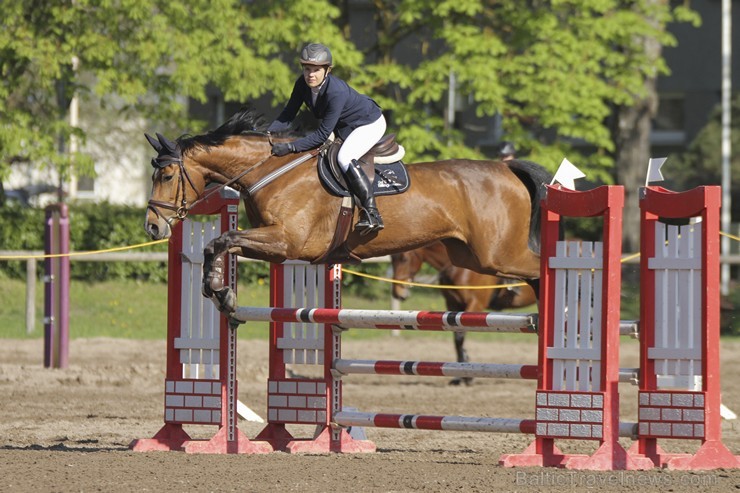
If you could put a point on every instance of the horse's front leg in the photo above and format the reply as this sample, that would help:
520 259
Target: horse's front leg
215 285
259 243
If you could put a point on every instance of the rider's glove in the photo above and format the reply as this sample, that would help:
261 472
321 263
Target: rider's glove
282 148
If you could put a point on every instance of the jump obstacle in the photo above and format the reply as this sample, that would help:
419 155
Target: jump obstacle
200 382
578 348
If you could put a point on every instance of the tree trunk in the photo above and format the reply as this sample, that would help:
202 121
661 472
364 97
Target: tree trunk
632 141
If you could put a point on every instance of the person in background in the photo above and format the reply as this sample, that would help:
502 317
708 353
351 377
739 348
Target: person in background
506 151
354 117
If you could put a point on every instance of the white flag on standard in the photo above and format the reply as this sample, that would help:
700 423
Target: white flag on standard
654 173
566 175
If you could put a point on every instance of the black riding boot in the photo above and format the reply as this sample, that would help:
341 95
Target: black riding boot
360 185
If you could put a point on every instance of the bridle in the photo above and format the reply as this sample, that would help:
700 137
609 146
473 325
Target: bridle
181 210
181 206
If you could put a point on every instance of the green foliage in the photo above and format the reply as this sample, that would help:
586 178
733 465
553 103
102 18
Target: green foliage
97 227
106 226
551 69
92 227
145 57
21 228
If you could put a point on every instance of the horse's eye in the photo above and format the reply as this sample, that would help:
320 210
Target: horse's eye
166 178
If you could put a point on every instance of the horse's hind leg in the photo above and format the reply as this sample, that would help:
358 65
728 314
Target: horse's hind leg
462 357
535 285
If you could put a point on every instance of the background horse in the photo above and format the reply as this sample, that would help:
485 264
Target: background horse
485 212
407 264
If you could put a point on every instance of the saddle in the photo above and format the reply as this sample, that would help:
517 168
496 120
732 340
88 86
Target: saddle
383 166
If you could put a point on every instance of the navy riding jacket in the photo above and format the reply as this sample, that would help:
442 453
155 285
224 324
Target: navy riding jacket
340 108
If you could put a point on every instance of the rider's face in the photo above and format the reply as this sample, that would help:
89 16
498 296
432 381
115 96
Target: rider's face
314 75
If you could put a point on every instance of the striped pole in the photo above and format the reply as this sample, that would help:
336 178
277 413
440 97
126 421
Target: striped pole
405 319
431 369
393 319
450 423
425 422
459 370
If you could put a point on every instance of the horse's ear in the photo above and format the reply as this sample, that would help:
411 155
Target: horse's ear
153 142
168 144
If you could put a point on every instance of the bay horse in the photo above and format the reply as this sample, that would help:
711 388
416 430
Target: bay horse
485 212
407 264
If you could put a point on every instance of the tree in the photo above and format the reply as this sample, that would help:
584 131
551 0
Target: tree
145 58
631 132
552 70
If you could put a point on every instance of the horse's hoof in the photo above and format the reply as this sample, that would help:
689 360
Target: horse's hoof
225 300
212 283
214 280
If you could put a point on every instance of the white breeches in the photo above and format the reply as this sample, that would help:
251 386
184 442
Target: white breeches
360 141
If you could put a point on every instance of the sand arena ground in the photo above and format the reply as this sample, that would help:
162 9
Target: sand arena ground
69 430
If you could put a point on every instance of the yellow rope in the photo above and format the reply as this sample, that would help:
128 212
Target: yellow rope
348 271
77 254
433 286
733 237
630 257
449 286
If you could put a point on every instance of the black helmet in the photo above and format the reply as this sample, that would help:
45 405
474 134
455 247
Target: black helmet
506 148
316 54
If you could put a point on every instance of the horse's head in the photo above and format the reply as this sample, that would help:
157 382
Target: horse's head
175 185
183 169
405 266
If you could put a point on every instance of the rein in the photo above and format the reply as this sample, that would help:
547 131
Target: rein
183 209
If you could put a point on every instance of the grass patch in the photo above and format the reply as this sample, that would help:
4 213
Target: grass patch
127 309
131 310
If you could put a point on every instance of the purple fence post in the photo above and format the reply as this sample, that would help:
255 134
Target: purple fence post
56 287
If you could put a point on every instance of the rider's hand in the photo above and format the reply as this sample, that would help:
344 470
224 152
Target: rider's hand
282 148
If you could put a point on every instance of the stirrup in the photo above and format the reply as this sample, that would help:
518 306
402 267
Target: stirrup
369 222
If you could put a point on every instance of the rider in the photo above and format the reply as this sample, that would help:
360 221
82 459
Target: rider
354 117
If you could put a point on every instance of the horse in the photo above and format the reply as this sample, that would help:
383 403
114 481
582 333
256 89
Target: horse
486 213
407 264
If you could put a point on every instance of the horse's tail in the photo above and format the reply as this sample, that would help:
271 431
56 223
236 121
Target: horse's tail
534 177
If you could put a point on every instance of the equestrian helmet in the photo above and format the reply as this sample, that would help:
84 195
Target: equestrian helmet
316 54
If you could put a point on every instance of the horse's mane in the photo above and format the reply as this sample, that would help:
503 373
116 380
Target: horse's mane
246 121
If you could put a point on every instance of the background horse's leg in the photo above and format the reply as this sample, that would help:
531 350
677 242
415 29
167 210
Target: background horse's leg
462 300
462 357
